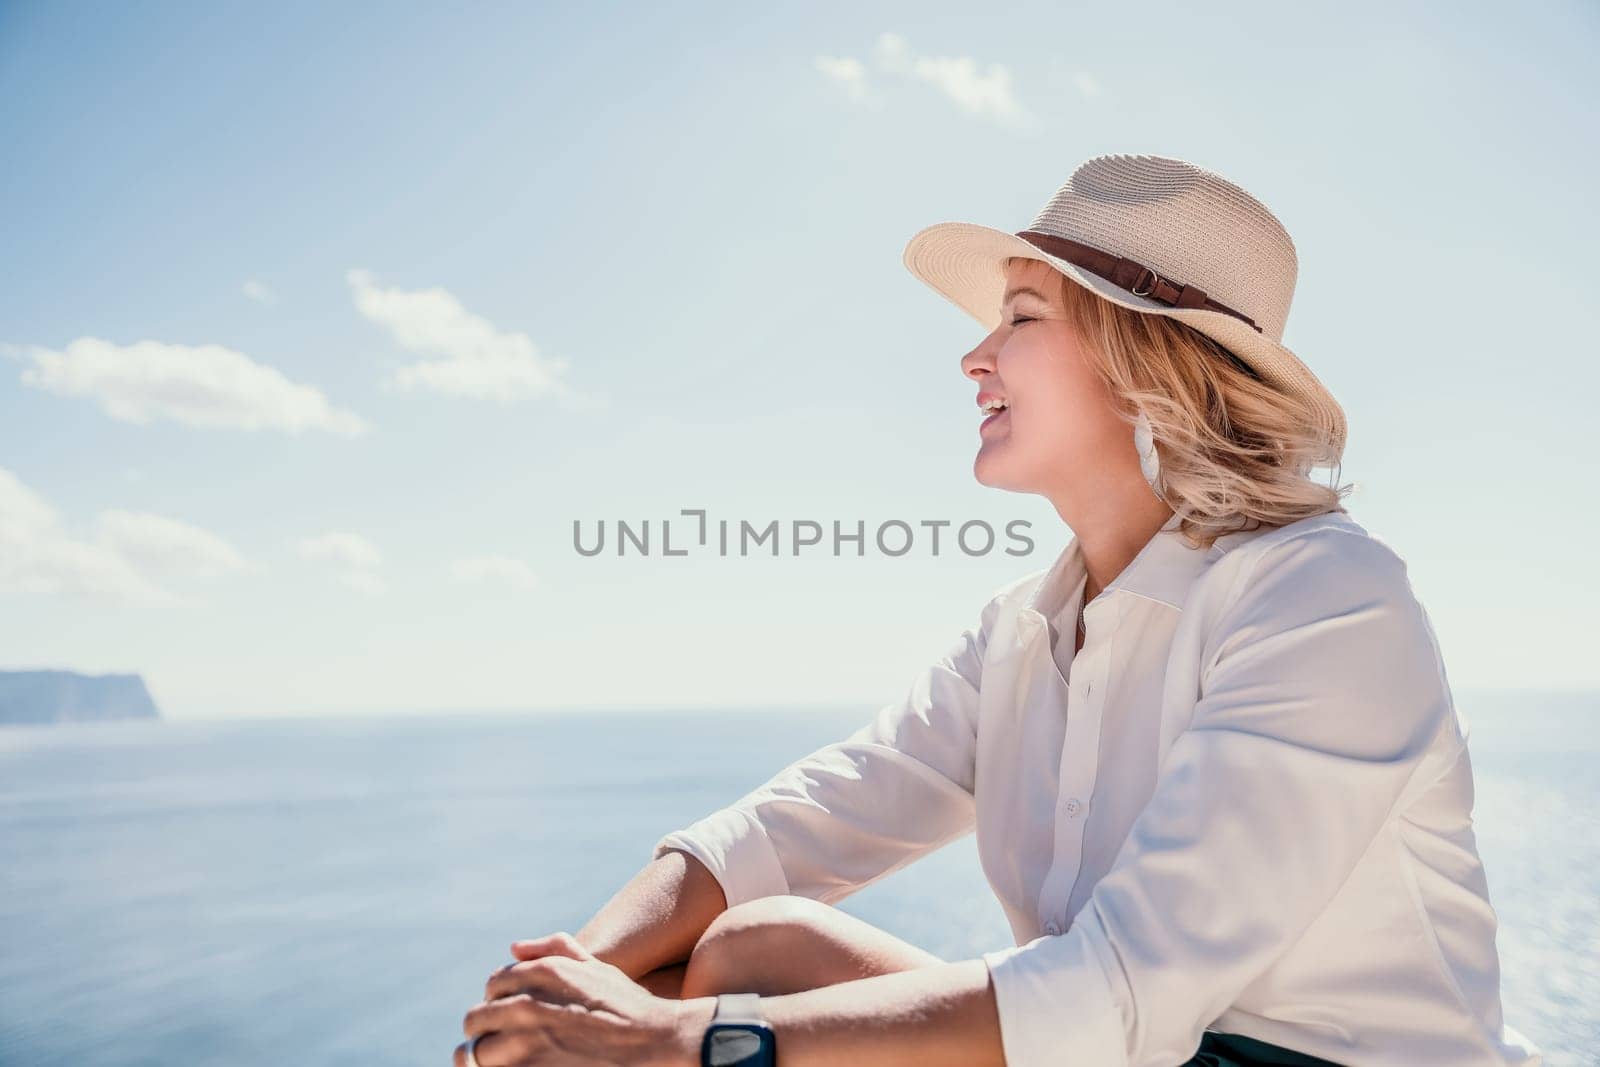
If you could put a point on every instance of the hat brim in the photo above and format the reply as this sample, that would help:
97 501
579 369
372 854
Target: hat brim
963 262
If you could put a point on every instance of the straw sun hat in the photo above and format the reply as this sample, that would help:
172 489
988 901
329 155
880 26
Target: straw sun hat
1161 236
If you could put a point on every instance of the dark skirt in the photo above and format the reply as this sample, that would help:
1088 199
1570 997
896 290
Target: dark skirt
1236 1050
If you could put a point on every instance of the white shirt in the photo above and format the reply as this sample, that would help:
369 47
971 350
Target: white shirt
1249 810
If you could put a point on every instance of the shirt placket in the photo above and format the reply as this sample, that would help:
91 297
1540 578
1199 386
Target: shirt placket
1080 757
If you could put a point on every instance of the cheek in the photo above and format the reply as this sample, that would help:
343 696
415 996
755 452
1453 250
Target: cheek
1045 428
1060 410
1054 403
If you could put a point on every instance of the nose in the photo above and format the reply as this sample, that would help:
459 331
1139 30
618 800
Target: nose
980 360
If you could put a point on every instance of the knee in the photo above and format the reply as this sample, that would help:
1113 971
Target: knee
765 919
737 943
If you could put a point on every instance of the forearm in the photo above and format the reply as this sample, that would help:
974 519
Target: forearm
657 917
942 1015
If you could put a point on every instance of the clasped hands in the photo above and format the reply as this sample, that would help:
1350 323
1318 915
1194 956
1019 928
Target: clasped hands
558 1005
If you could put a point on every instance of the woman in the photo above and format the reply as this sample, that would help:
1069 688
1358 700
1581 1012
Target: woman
1219 785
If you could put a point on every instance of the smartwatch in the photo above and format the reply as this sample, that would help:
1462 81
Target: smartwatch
738 1036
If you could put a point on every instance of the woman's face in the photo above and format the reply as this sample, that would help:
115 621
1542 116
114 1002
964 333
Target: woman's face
1059 434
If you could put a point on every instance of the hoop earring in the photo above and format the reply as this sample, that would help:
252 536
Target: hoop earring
1149 462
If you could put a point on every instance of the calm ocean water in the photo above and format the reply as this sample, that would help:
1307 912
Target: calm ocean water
335 891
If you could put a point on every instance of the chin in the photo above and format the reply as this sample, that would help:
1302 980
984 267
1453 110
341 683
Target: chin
992 472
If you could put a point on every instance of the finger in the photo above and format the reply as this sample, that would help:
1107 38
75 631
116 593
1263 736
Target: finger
540 976
507 1013
559 943
497 1050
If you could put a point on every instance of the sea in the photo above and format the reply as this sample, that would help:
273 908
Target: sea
272 891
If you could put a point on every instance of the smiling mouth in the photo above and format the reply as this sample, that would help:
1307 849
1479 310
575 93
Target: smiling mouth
996 417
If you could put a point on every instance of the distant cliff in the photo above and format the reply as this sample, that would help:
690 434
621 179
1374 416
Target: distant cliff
66 696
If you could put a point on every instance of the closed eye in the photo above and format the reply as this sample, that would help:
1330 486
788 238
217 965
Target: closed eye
1020 319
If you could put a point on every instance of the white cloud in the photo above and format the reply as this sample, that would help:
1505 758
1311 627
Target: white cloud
348 549
23 512
132 550
495 570
357 558
471 356
985 92
37 556
848 72
259 292
199 385
168 547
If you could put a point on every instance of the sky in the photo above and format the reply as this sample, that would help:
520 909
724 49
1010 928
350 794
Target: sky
324 325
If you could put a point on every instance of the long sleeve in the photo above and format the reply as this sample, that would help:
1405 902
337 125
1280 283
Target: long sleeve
846 815
1322 699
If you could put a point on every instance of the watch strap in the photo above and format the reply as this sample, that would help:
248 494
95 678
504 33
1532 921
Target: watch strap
738 1036
738 1008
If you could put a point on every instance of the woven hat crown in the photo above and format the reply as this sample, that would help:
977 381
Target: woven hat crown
1184 222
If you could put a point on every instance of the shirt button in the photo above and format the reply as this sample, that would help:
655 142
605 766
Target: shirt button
1072 807
1051 928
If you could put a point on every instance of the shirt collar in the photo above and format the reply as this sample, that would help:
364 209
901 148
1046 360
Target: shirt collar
1162 571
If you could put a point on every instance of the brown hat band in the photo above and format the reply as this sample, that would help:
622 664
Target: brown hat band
1137 278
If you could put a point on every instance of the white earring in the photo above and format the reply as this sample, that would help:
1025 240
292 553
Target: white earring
1149 462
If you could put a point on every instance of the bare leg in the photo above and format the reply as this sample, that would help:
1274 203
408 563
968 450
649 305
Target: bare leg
786 944
666 981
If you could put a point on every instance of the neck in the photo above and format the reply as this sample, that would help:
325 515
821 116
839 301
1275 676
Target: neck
1108 540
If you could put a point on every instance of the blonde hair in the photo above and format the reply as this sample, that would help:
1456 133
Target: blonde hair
1235 453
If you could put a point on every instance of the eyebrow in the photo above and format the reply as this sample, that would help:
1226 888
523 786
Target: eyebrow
1019 291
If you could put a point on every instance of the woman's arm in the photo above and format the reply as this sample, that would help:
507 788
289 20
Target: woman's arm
942 1015
568 1006
852 812
657 917
822 827
1315 717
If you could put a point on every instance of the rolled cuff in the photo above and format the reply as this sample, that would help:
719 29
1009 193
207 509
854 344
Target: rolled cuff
1055 1004
735 847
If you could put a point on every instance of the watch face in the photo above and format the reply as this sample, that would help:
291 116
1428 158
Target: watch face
738 1045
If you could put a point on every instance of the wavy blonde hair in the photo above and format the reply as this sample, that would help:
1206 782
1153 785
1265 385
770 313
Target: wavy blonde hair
1235 453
